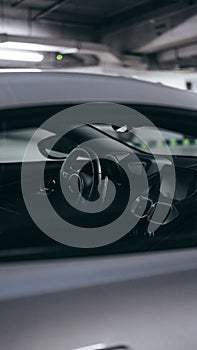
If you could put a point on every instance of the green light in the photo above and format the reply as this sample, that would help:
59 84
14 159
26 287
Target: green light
159 143
59 57
186 142
130 144
173 142
144 146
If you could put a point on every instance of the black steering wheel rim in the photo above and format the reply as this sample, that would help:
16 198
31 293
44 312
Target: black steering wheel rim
69 170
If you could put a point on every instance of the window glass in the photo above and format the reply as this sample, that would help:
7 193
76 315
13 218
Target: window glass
178 143
14 142
21 239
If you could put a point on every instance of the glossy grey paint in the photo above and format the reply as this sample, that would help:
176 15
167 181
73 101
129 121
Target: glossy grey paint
145 301
43 88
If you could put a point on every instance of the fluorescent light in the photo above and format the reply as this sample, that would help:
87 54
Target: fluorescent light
17 45
19 70
20 55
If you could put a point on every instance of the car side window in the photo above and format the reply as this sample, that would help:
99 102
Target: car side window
13 144
178 143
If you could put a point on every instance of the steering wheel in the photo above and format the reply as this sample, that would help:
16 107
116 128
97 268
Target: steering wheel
93 198
81 176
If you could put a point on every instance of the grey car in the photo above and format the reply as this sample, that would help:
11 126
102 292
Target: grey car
136 290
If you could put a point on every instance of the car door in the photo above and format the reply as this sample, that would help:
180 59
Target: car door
145 301
127 298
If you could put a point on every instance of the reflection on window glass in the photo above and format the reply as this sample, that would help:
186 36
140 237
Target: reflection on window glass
178 143
147 138
14 142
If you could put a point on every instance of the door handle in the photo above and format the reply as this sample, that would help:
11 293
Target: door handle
104 347
117 347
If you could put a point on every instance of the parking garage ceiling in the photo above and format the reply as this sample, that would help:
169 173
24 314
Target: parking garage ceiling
154 33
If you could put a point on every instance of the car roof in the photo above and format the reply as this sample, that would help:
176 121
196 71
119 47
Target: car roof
52 88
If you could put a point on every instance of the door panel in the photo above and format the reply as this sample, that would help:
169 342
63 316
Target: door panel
145 301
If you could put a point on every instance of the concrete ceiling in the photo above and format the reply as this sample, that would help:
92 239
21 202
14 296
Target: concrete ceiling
151 32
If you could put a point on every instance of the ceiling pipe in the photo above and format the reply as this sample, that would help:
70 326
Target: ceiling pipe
101 51
49 9
17 3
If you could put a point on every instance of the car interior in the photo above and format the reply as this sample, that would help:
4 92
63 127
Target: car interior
21 239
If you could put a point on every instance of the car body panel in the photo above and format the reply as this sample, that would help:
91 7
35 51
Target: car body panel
45 88
145 302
